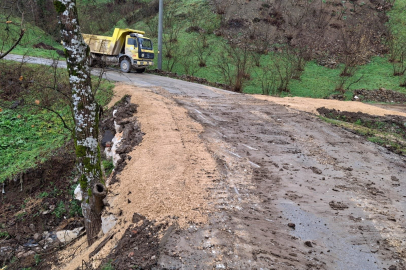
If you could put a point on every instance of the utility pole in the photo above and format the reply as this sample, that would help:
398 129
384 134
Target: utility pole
160 30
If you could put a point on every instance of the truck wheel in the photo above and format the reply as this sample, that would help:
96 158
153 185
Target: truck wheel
125 65
140 70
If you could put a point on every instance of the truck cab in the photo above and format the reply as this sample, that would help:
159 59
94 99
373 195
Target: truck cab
140 50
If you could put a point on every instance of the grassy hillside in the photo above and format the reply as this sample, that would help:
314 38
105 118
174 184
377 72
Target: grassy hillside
195 43
29 135
33 35
185 46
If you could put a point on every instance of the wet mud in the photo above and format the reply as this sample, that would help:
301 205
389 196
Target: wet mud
295 192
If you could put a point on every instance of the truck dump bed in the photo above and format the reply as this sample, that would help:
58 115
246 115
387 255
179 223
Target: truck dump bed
109 45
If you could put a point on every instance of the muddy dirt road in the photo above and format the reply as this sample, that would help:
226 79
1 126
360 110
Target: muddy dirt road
293 192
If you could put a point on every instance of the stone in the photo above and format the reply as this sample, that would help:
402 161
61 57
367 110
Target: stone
6 252
137 217
309 244
78 193
37 236
108 223
66 236
25 254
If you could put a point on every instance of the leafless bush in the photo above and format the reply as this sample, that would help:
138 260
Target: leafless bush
282 68
268 80
397 54
172 28
36 89
234 64
283 64
355 48
260 43
202 49
189 61
345 82
152 24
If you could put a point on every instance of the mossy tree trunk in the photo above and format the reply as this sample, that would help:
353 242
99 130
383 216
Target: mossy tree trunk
86 115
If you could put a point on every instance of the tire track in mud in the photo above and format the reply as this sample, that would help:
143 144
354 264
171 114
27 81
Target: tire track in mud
285 167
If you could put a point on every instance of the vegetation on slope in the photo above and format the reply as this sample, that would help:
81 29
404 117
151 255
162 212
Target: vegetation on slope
206 39
31 113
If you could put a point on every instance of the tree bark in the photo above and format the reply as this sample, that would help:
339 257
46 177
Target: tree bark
86 115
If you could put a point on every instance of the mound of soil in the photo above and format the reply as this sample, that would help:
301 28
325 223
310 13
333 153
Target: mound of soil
389 124
121 114
44 46
380 95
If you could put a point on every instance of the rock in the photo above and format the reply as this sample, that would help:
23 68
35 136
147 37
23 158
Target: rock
137 217
393 267
67 236
25 254
108 223
36 236
308 243
338 205
220 266
394 178
292 225
78 193
122 149
316 170
51 207
392 219
6 252
30 244
32 227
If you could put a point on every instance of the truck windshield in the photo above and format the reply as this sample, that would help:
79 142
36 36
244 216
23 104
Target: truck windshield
145 43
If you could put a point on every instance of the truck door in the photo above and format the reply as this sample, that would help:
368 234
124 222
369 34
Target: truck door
131 48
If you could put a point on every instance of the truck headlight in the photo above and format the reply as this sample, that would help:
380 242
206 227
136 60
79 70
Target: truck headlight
142 55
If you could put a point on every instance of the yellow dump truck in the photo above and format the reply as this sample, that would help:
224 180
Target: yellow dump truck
127 47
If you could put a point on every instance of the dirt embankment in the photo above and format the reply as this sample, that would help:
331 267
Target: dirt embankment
312 104
163 186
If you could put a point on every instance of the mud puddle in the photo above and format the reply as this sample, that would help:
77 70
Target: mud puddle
315 233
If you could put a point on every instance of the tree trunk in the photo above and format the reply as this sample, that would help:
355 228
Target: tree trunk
86 115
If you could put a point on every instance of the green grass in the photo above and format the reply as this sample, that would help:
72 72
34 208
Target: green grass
33 35
28 138
397 19
108 166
